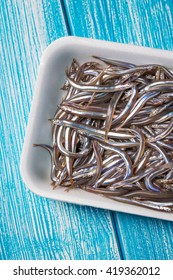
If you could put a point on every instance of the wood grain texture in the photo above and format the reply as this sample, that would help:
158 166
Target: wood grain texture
144 238
32 227
145 23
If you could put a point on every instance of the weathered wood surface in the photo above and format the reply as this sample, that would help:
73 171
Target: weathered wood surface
36 228
33 227
145 23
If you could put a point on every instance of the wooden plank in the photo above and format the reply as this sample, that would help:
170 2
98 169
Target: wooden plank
146 23
33 227
144 238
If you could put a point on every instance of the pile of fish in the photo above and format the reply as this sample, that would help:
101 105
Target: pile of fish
112 134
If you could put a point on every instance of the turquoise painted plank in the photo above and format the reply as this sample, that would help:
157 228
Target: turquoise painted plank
32 227
145 23
144 238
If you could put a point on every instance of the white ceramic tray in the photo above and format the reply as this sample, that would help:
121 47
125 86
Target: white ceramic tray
35 162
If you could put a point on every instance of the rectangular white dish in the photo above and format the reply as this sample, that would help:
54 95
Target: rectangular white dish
35 162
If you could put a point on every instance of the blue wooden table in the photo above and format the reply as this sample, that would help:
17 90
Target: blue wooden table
33 227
